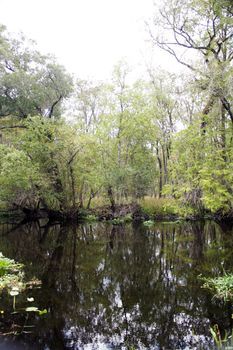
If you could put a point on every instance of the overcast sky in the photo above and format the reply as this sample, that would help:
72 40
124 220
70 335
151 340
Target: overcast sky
87 36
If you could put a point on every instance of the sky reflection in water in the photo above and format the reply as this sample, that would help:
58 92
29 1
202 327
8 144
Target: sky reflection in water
115 287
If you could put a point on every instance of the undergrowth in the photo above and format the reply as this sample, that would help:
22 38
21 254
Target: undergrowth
158 206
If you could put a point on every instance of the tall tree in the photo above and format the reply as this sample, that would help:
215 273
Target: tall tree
30 83
205 27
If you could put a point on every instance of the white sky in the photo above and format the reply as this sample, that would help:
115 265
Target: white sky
87 36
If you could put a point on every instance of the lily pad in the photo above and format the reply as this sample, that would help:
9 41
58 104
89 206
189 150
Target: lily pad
13 293
31 309
30 299
43 312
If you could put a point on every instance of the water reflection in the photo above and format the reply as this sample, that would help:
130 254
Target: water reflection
117 287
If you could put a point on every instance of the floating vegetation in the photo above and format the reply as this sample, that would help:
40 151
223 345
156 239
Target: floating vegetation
12 281
121 220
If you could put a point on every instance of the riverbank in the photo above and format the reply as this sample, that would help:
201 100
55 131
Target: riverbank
146 210
136 212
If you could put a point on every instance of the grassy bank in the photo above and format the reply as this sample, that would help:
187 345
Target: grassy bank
147 208
158 207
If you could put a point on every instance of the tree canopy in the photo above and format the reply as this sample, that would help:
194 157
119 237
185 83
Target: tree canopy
30 83
166 135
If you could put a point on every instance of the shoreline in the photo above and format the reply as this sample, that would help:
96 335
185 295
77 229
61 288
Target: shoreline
123 213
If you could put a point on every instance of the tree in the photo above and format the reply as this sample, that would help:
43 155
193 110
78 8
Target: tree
205 27
164 110
30 83
20 179
124 135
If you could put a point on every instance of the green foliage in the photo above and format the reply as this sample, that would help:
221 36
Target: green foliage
202 177
99 202
216 182
149 223
200 165
31 83
19 178
157 206
122 220
222 287
8 265
11 275
123 144
91 218
117 221
128 218
223 342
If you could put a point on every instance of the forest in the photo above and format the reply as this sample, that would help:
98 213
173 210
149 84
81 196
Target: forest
163 143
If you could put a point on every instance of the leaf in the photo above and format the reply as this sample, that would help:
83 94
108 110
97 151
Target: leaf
30 299
27 332
43 312
13 293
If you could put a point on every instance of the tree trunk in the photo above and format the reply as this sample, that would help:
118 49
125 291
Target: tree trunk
73 192
160 172
92 195
223 131
81 196
111 198
164 166
205 112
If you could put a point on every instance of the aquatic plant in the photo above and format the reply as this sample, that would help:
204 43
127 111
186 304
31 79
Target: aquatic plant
121 220
12 280
117 221
11 274
7 264
148 223
91 218
222 286
223 342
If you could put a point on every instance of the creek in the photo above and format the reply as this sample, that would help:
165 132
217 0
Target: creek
117 287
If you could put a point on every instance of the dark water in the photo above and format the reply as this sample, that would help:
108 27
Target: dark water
118 287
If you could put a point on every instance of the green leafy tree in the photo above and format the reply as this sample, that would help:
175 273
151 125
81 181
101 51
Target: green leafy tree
30 83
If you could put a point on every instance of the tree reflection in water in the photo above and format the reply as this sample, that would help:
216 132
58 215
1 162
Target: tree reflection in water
114 287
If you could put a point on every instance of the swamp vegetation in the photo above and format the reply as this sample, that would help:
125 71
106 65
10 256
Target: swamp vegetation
66 142
125 152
